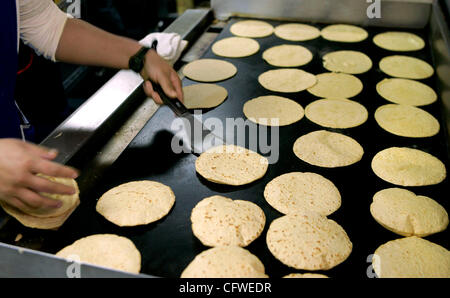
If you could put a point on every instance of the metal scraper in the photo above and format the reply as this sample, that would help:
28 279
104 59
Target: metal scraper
198 137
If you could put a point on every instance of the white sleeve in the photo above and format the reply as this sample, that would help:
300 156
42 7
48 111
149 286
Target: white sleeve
41 24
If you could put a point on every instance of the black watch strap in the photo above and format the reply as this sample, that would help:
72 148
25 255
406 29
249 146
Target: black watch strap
136 62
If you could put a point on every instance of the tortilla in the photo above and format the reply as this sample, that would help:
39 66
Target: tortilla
399 41
406 67
235 47
273 110
105 250
328 149
344 33
251 28
286 80
406 121
204 96
351 62
298 191
220 221
336 85
408 167
296 32
209 70
287 55
136 203
336 113
407 92
231 165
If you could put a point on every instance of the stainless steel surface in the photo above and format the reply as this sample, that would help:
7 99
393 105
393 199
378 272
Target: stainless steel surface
439 37
394 13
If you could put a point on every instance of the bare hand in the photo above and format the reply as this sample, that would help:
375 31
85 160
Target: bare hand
159 71
19 185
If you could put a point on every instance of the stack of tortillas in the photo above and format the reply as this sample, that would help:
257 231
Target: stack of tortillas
305 275
136 203
411 257
106 250
308 240
408 167
403 212
232 165
328 149
225 262
220 221
297 191
47 218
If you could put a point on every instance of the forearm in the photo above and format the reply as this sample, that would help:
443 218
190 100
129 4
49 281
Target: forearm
82 43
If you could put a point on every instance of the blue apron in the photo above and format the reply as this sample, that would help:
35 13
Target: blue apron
9 115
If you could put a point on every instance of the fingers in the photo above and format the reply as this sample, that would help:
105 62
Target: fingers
40 184
35 200
16 203
168 88
41 151
53 169
148 89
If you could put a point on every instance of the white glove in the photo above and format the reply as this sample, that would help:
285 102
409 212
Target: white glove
169 46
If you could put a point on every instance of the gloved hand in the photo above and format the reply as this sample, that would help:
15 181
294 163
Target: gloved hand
169 46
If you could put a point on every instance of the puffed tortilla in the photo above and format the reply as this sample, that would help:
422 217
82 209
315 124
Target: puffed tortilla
136 203
106 250
408 167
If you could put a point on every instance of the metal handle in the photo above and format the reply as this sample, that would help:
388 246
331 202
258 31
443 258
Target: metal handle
173 103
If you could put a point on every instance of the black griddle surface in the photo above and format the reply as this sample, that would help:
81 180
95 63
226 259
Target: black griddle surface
168 245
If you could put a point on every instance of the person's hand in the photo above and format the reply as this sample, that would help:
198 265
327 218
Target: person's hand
19 184
159 71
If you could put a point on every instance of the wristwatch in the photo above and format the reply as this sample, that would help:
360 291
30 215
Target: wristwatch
136 62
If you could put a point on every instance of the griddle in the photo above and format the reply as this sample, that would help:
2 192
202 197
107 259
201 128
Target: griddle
168 245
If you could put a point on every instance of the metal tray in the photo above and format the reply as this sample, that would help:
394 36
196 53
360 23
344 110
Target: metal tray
167 246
